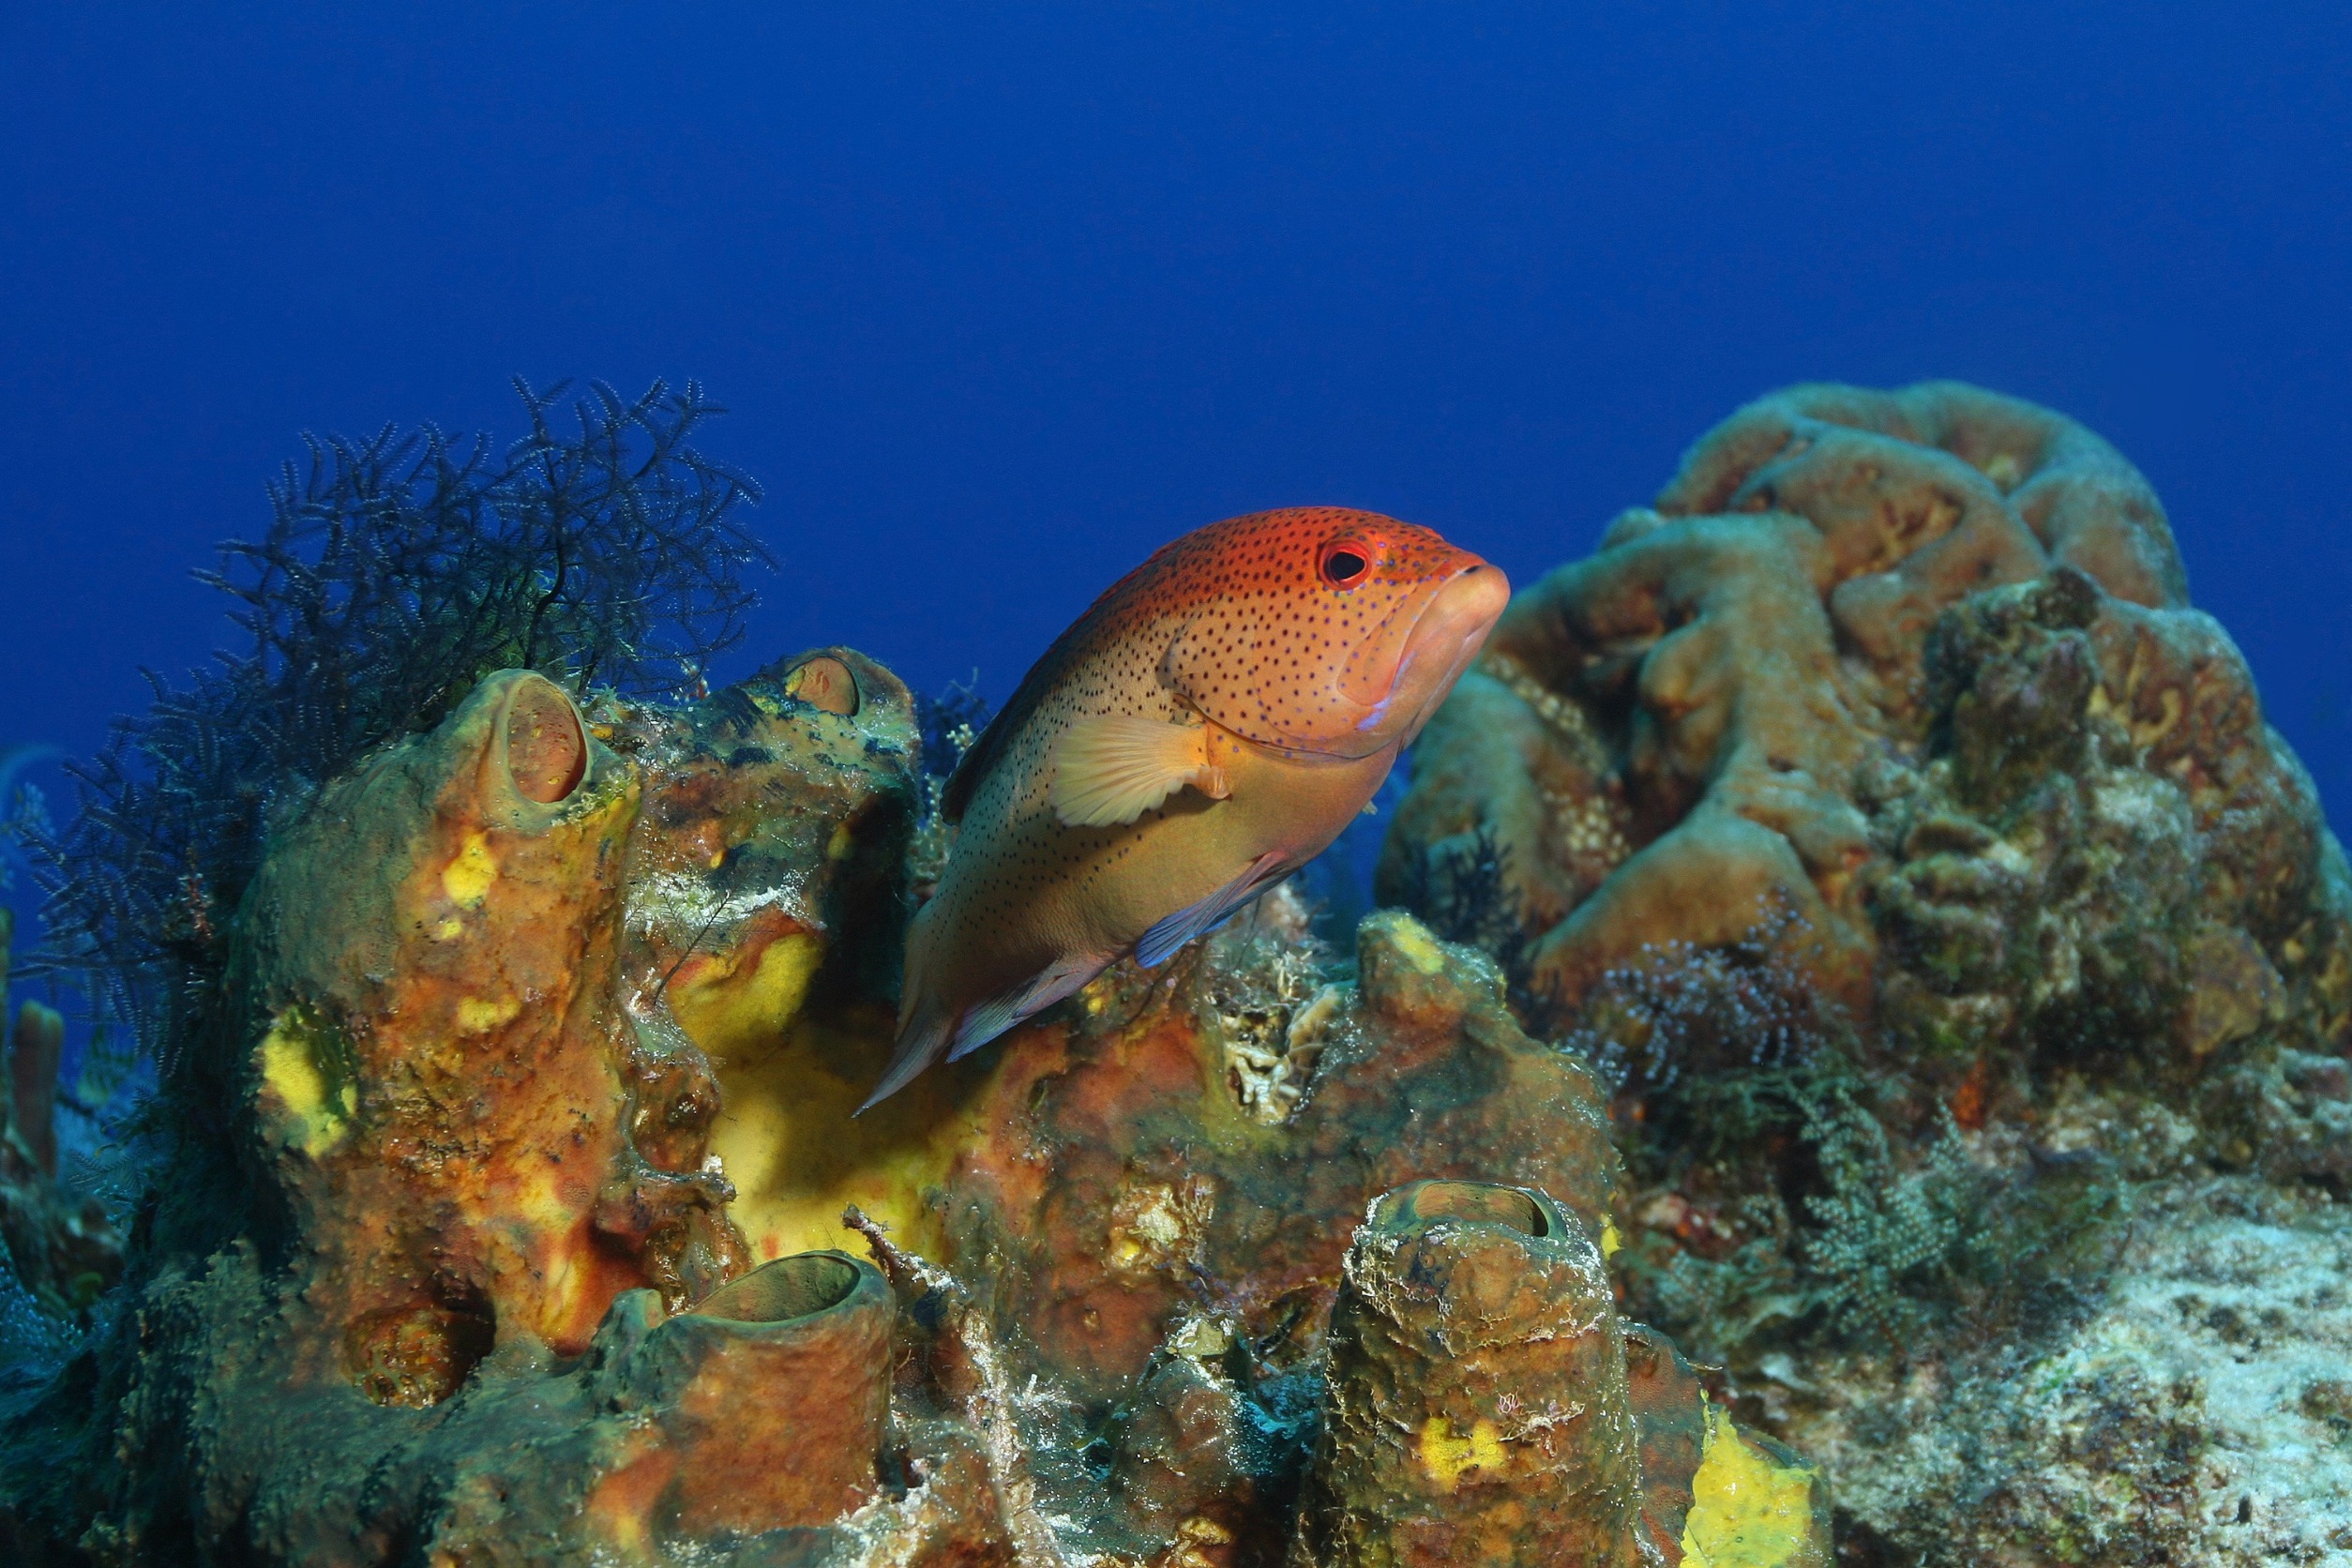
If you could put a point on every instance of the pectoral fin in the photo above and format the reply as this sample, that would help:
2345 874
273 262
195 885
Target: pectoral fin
1111 768
1198 920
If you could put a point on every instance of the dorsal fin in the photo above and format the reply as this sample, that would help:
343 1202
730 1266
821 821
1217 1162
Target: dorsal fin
1075 641
977 758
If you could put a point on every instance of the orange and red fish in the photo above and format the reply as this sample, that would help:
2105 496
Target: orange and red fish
1207 727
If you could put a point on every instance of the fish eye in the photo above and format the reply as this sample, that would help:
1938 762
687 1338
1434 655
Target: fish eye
1345 563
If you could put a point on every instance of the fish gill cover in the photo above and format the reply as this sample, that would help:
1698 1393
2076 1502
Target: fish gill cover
602 550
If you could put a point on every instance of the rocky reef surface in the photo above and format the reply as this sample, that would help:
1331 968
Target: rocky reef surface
1861 982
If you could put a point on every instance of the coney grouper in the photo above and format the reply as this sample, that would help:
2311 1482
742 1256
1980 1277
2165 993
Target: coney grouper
1207 727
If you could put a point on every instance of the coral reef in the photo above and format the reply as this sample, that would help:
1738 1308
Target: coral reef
1875 815
550 1021
61 1246
1866 936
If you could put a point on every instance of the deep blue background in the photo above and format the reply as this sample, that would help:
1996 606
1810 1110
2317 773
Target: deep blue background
1004 296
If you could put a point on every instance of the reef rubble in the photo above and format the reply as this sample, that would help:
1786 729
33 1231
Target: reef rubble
1858 1051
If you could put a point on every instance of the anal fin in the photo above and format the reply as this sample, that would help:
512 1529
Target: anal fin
1198 920
984 1020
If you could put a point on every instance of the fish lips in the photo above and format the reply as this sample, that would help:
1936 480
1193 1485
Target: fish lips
1445 632
1444 639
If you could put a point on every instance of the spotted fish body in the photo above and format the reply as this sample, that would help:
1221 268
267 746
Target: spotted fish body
1209 725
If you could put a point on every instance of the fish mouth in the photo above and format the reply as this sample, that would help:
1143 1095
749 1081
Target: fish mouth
1444 637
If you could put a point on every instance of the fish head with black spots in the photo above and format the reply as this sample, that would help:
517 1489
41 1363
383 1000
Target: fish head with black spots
1321 632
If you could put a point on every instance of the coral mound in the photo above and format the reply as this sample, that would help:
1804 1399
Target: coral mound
1706 723
1877 816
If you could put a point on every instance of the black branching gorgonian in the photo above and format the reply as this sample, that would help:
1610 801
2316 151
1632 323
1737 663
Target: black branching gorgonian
603 548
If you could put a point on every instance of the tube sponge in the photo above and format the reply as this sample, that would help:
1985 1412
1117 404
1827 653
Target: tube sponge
1478 1409
774 1392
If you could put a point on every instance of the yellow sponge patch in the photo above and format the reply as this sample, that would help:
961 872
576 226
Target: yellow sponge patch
1414 941
1447 1457
468 877
1746 1509
798 1156
730 1007
318 1107
480 1015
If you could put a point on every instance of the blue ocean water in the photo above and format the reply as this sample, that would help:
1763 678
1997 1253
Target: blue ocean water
1002 296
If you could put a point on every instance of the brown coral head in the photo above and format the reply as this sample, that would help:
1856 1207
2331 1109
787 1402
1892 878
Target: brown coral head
1420 1205
542 740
